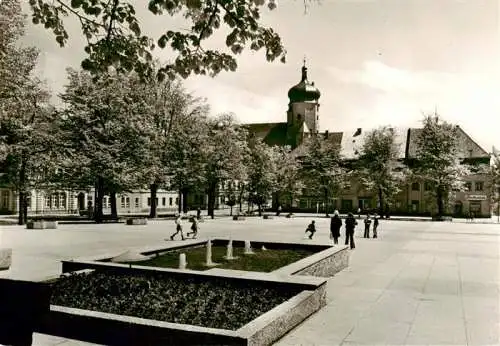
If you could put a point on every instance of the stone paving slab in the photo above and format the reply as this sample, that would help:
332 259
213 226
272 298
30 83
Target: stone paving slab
418 283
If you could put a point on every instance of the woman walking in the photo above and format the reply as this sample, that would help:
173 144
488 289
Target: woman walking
335 224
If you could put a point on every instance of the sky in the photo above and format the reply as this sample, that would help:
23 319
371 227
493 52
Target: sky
376 62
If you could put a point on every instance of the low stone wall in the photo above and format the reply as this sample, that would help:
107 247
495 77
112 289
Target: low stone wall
310 273
5 258
22 306
105 328
41 224
35 225
137 221
271 326
326 263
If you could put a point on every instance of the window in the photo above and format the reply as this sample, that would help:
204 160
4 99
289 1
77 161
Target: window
5 199
137 202
468 186
55 197
164 201
127 202
479 186
177 201
123 202
28 202
149 201
414 206
170 201
62 200
415 187
427 186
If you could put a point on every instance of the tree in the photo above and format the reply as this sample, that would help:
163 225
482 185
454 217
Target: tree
25 115
261 173
106 136
288 175
322 169
224 154
185 157
114 35
378 165
437 160
167 108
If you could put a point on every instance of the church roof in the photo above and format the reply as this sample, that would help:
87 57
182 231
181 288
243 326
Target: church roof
304 90
270 133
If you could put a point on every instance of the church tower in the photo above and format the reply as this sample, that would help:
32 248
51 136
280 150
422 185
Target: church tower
303 107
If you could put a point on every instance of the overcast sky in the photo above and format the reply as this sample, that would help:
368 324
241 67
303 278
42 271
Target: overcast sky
376 62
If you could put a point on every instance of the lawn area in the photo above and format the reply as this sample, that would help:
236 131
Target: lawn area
262 261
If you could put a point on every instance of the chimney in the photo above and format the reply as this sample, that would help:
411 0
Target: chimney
326 133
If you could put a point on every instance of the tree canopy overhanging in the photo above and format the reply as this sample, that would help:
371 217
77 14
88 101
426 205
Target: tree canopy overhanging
115 38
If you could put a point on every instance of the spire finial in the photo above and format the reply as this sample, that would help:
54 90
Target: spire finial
304 70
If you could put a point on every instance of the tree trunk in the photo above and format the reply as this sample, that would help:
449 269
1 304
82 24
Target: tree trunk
22 193
153 188
185 201
99 198
212 188
240 197
179 205
326 202
231 211
440 202
380 201
259 208
277 203
21 221
114 212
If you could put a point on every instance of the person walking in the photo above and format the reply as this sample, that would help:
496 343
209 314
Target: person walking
350 226
335 224
375 225
311 228
368 222
194 228
178 227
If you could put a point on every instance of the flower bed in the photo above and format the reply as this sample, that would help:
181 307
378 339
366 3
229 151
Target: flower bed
215 304
263 260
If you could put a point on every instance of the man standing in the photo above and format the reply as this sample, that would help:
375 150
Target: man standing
178 227
375 225
368 222
350 226
335 225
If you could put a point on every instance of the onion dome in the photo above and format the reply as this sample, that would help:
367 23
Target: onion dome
305 90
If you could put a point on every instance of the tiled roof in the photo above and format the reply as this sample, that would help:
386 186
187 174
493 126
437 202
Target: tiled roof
467 147
351 141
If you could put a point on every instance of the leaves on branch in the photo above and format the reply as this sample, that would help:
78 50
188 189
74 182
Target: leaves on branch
114 35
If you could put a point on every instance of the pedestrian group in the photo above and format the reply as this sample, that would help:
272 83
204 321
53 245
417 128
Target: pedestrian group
350 227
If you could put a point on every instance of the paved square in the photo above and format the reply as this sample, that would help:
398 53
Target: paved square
418 283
